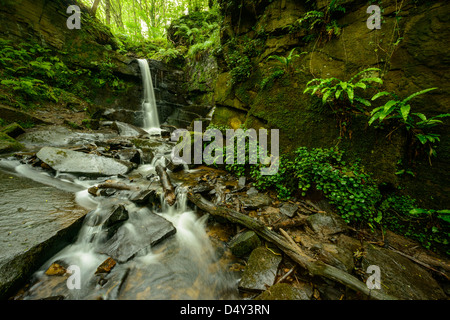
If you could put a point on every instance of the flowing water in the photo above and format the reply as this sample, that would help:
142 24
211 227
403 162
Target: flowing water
151 120
186 265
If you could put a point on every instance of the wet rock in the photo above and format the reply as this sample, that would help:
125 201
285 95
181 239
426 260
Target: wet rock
106 266
338 257
401 277
255 201
326 223
93 191
108 192
252 191
13 130
118 215
172 166
69 161
127 130
241 182
289 209
56 270
261 270
143 197
243 243
8 144
132 155
130 240
36 222
284 291
107 215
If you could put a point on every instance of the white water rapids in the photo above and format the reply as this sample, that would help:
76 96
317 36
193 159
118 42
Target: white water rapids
183 266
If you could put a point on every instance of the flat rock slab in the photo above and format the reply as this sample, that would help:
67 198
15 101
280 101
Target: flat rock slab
69 161
261 270
401 277
36 221
130 239
326 223
255 201
289 209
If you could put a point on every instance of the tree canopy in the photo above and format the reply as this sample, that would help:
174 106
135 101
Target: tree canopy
142 18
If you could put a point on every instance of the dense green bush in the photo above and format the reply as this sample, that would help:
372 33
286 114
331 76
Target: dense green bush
351 191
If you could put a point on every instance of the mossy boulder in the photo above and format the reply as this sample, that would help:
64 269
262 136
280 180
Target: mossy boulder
13 130
261 270
284 291
243 243
8 144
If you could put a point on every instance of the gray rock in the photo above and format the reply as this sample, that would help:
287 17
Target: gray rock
289 209
131 239
284 291
256 201
132 155
401 277
127 130
243 243
252 191
261 270
69 161
338 257
326 223
143 197
36 222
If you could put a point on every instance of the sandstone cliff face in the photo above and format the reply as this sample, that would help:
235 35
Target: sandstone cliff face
45 22
410 49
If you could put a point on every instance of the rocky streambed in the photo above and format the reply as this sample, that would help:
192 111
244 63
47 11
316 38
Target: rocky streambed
91 204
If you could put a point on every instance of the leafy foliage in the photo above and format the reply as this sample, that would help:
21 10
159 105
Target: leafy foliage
341 94
417 124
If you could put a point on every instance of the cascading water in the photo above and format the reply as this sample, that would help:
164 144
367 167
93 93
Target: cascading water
151 120
183 266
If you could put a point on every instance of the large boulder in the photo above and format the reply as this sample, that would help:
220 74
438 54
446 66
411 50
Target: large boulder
401 277
130 239
261 270
68 161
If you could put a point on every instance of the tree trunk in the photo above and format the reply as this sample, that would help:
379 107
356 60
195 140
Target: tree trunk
108 12
94 7
289 247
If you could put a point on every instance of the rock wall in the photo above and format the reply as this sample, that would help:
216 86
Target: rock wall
44 22
410 49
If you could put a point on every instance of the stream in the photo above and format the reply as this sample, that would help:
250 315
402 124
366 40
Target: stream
184 264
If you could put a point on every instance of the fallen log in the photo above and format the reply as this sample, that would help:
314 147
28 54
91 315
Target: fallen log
169 190
289 247
115 185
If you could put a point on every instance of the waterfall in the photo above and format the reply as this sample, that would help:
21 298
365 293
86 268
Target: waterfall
151 121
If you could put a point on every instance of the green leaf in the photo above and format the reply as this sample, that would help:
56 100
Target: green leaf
421 116
363 101
378 80
417 93
380 94
404 110
422 138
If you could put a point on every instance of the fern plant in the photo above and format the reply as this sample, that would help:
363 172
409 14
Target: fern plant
342 93
286 62
416 123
